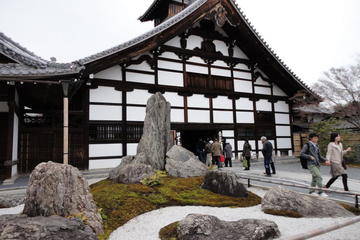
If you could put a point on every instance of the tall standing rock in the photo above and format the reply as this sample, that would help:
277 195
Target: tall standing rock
155 141
58 189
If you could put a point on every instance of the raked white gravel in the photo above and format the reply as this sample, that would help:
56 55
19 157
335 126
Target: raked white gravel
148 225
13 210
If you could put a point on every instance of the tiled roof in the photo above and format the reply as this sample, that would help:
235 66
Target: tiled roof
16 69
144 17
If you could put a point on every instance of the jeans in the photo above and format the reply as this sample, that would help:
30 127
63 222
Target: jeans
267 166
228 162
316 177
216 160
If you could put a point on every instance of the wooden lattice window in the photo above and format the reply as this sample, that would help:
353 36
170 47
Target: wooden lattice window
134 132
105 132
246 132
202 81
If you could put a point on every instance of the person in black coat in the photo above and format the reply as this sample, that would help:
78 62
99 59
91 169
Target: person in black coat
267 152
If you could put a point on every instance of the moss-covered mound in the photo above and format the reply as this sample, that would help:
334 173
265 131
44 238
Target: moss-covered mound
169 232
354 210
121 202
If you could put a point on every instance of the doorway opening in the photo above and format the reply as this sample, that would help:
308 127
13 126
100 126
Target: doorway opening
190 139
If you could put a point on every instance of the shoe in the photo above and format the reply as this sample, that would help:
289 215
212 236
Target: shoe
323 195
267 175
274 173
314 193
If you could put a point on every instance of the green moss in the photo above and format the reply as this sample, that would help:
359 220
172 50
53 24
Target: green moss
169 232
285 213
354 210
121 202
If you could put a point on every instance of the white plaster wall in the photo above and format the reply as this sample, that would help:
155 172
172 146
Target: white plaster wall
135 113
244 104
105 94
199 116
290 152
14 171
281 106
174 42
138 96
193 42
281 118
177 115
238 53
220 63
195 60
4 107
223 117
170 78
140 78
174 99
262 90
283 131
170 65
222 102
144 66
198 100
245 117
220 72
105 150
243 75
243 86
261 81
102 112
104 163
131 149
196 69
241 66
169 55
283 143
15 144
227 133
221 47
112 73
263 105
278 92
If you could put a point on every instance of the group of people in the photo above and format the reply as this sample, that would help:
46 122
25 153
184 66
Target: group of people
211 151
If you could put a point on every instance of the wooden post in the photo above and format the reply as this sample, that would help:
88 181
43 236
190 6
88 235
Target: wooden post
65 87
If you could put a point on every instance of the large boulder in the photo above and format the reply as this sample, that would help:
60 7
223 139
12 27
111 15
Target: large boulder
156 141
206 227
224 182
131 173
179 154
190 168
279 200
58 189
22 227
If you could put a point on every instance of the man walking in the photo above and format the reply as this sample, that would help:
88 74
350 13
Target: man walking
311 152
216 152
267 152
228 154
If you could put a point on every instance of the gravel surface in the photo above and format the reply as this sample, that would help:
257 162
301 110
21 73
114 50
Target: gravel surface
13 210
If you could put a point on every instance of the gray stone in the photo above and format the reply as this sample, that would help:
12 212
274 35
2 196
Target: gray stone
155 141
58 189
206 227
11 201
22 227
224 182
179 153
131 173
190 168
281 199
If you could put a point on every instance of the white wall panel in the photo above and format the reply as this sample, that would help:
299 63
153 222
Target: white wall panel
135 113
140 78
170 78
245 117
193 42
244 104
283 143
131 149
105 94
241 66
15 144
221 47
196 60
196 69
177 115
199 116
281 118
222 102
175 42
278 92
104 163
227 133
170 65
283 131
263 105
243 75
138 96
169 55
105 150
281 106
220 63
238 53
144 66
223 117
243 86
262 90
4 107
198 100
174 99
102 112
113 73
220 72
261 81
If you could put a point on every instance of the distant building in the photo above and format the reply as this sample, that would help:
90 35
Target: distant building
221 78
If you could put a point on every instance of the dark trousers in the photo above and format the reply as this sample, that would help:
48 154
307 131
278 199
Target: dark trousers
272 165
228 162
216 160
344 180
269 164
248 162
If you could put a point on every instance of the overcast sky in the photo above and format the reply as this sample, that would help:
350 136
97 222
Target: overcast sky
311 36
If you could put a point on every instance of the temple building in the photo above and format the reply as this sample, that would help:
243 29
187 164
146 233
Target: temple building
221 78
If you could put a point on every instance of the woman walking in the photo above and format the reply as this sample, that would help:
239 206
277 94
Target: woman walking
335 153
247 154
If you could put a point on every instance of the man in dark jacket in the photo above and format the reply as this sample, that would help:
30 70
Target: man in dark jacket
267 152
228 154
311 152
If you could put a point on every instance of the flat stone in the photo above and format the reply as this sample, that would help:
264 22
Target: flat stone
131 173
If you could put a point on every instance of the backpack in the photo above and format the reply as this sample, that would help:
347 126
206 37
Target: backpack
303 160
